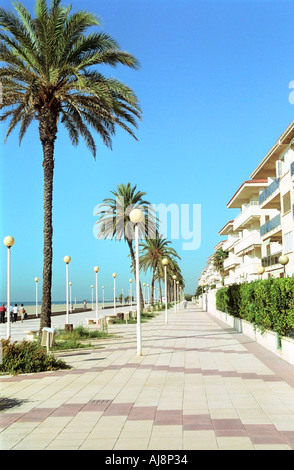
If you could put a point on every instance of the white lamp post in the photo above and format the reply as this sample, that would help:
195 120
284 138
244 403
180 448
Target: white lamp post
8 242
178 282
96 269
92 287
283 260
131 293
67 260
260 271
114 300
70 308
137 216
36 281
102 296
122 297
174 278
148 295
165 263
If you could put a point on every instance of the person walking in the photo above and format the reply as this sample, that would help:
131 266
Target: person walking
2 313
22 312
14 311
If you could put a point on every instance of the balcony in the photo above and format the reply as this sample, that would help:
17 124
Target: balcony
247 243
271 227
270 197
252 211
230 242
271 260
231 262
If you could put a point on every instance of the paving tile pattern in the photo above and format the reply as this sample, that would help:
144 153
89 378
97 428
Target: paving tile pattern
198 385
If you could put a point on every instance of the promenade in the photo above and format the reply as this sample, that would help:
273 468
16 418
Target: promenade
198 385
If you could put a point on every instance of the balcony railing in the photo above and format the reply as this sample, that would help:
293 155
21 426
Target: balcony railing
269 190
270 260
270 225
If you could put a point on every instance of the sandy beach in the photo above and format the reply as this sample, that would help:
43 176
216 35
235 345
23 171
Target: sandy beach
31 309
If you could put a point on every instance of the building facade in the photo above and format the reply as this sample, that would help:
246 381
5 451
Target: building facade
264 229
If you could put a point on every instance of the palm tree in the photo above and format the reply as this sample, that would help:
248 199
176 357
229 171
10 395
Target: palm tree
153 251
49 74
218 262
114 221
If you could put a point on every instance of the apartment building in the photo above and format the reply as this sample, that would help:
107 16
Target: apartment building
210 276
264 229
277 229
244 242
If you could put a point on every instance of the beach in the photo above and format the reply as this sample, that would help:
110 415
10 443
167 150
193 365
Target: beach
79 316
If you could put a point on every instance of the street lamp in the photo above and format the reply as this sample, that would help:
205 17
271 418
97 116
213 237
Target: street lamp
102 296
67 260
283 259
96 269
165 263
36 280
260 271
70 308
137 216
178 282
8 242
174 278
131 293
144 294
92 287
114 300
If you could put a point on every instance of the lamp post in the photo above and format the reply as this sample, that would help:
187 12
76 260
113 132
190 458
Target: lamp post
131 293
165 263
102 296
148 295
114 300
260 271
174 278
283 260
67 260
177 283
137 216
36 281
70 308
96 269
8 242
92 287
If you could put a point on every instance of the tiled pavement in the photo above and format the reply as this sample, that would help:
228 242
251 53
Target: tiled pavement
198 385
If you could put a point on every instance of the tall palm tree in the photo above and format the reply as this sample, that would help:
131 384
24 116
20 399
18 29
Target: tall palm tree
114 221
218 262
49 74
152 253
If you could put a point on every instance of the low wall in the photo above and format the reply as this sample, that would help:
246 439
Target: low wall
281 346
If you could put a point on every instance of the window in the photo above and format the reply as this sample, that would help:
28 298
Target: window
288 242
286 202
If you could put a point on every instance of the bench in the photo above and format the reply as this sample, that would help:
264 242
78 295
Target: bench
31 334
99 322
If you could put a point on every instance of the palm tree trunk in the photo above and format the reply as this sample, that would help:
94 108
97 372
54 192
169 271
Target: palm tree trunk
47 133
152 289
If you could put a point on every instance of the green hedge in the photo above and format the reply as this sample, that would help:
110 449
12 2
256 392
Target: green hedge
268 304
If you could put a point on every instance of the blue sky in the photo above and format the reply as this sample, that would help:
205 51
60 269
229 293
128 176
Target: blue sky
214 89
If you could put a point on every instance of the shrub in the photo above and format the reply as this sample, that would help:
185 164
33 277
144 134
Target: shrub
268 303
27 357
